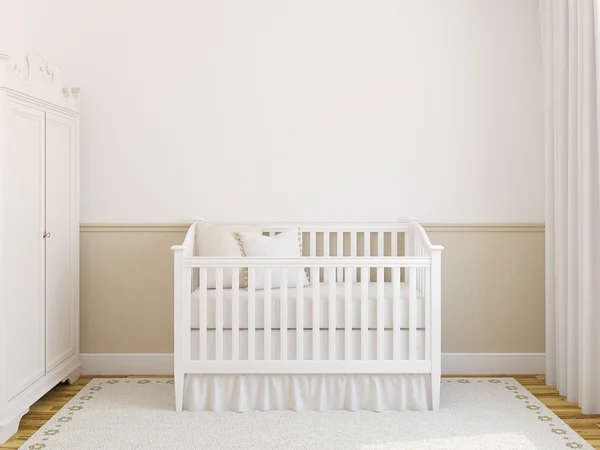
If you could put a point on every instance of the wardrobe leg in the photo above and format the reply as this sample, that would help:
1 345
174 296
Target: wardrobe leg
73 376
10 427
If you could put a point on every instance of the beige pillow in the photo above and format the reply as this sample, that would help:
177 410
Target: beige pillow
221 241
284 245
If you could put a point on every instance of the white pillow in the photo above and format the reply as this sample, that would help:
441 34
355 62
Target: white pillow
220 241
284 245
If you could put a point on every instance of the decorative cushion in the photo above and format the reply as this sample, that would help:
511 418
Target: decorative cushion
284 245
220 241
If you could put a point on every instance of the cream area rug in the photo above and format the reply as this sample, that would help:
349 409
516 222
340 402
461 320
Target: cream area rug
476 413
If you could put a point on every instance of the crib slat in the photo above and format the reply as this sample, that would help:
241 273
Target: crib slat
348 315
316 309
380 243
235 314
219 315
396 295
367 252
326 253
420 272
412 313
251 313
283 314
422 285
340 252
203 335
364 313
423 274
332 314
394 243
187 306
267 324
353 254
195 278
300 314
427 314
380 341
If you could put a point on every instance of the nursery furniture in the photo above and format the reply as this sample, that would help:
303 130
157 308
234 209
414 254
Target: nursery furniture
357 328
39 232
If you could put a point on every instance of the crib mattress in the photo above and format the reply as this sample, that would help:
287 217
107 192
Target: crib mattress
418 309
356 352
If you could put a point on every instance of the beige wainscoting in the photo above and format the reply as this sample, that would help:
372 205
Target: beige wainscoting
493 287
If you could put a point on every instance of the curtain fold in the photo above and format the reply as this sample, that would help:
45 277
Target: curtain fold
570 55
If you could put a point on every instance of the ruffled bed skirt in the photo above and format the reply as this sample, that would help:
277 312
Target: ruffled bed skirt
307 392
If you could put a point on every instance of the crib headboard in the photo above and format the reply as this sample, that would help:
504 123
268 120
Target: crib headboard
405 238
344 239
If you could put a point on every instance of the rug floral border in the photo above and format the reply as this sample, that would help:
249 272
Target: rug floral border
556 425
83 397
95 387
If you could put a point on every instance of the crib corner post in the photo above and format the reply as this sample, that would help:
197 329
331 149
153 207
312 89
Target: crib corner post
178 356
409 237
436 325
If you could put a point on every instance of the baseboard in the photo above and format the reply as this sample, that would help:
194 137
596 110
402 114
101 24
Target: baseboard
452 363
493 363
126 363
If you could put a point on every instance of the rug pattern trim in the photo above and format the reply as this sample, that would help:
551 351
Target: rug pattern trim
555 424
63 419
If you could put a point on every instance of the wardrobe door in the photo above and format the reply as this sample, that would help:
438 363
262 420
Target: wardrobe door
61 224
24 247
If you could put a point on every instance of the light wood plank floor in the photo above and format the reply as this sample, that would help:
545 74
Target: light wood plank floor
588 426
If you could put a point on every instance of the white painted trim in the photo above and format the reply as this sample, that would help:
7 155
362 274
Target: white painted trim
484 227
452 363
126 363
279 367
305 261
429 227
493 363
134 227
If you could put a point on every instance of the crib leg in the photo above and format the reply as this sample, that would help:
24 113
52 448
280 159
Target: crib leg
436 380
179 379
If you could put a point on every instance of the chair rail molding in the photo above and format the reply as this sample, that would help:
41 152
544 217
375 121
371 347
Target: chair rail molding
433 227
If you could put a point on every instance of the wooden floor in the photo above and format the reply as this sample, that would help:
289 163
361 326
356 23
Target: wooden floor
587 426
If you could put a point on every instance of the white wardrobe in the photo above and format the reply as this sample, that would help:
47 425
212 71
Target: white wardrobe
39 235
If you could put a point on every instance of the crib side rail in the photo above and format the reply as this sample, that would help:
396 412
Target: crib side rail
331 335
307 261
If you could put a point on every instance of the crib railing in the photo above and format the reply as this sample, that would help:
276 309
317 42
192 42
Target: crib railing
352 240
309 294
295 344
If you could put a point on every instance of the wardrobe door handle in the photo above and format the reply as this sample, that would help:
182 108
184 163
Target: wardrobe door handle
46 235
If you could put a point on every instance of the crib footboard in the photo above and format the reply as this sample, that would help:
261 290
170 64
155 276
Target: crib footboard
309 315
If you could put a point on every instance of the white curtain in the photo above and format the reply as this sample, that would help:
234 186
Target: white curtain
569 36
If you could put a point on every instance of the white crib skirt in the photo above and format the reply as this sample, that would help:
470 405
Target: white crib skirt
239 393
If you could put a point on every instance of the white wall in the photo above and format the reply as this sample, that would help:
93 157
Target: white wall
12 34
303 110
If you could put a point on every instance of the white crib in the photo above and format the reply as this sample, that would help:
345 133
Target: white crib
372 309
